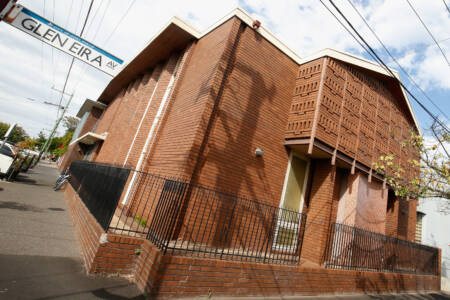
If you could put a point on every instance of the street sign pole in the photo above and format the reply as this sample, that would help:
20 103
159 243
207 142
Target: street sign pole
47 143
5 7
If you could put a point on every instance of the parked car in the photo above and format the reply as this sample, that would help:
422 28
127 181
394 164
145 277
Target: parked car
7 158
30 157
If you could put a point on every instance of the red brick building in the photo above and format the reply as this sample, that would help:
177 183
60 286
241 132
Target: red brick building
235 110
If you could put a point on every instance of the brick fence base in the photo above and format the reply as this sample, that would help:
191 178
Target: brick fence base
102 253
167 276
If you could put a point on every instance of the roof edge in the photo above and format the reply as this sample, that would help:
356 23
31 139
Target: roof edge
88 105
245 17
175 21
237 12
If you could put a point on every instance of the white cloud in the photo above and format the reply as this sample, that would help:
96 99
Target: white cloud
28 69
432 70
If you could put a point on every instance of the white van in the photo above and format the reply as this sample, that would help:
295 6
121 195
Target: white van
7 156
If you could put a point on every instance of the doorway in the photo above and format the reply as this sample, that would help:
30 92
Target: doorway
291 204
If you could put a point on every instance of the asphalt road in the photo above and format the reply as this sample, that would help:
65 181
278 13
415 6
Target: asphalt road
39 254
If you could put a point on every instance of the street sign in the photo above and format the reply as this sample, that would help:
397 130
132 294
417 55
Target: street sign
44 30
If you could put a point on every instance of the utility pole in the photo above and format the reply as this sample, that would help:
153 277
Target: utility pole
58 121
62 95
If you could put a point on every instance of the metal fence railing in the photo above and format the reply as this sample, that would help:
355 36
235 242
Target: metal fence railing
99 187
357 249
189 219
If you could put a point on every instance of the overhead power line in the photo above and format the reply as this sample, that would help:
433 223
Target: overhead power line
120 22
377 58
88 29
345 27
101 20
70 11
79 17
429 32
448 8
73 59
109 37
395 60
48 142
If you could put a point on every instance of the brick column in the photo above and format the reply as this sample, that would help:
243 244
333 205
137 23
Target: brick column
321 212
392 211
412 220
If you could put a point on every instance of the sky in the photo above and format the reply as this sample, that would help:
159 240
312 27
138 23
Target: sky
29 68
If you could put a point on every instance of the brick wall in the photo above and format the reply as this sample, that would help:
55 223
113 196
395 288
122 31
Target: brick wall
124 114
74 152
194 277
407 215
363 203
348 201
168 276
322 210
401 217
392 215
158 93
412 220
102 253
142 96
371 209
179 139
223 108
91 121
252 105
147 267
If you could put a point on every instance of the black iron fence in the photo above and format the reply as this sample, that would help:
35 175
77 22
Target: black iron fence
357 249
195 220
99 187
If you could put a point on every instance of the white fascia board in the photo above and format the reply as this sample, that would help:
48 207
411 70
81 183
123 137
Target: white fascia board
176 21
363 63
240 14
264 32
88 105
416 122
89 135
351 59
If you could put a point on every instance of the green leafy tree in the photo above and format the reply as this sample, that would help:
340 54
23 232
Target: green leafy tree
17 135
432 180
59 145
65 140
40 140
70 123
28 143
55 143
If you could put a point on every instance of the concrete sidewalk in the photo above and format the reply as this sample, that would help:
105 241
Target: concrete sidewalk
404 296
39 254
